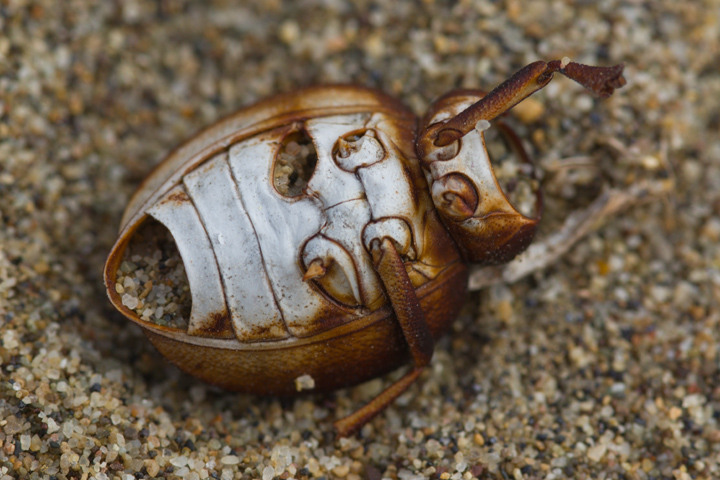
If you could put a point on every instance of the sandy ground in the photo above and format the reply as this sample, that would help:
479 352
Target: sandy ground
603 365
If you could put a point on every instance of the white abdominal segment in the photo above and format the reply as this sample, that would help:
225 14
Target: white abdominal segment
246 247
179 215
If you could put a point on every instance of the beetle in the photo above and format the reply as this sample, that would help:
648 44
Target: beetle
354 272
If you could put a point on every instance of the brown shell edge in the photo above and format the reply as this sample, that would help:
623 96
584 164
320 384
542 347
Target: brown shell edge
343 356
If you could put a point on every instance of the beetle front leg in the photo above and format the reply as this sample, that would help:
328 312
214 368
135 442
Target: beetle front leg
404 301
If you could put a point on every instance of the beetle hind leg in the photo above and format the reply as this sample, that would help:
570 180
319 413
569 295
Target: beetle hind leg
411 318
348 425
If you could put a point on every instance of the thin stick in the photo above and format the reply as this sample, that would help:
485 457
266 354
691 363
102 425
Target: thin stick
578 224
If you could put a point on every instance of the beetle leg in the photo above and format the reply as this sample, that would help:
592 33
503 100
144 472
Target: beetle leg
353 422
404 301
407 309
315 270
601 81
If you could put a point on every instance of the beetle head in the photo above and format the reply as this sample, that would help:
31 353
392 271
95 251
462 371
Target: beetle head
488 227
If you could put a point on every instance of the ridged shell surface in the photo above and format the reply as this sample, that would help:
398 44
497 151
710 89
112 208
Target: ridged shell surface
247 247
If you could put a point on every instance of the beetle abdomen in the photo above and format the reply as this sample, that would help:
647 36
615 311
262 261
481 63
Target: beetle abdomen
266 265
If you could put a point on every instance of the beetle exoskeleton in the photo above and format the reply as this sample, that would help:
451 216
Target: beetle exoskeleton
346 270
